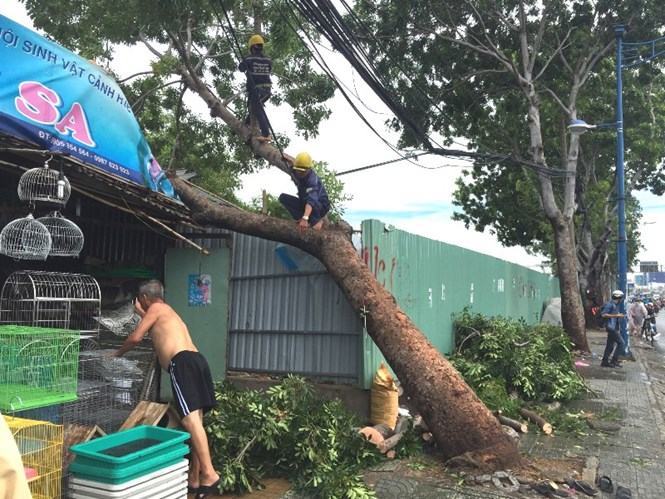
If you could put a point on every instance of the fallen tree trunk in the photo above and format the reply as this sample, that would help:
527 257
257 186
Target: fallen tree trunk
458 419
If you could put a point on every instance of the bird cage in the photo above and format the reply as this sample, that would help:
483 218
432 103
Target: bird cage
44 185
40 445
66 237
52 299
38 367
25 239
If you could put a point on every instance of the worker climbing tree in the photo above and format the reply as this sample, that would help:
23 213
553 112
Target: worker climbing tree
257 67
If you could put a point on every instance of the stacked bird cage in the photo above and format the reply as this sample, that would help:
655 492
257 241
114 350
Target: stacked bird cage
52 299
51 235
40 445
38 367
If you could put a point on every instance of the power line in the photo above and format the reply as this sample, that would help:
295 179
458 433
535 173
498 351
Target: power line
328 21
383 163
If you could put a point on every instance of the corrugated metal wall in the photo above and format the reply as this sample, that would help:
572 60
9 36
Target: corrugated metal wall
432 281
288 315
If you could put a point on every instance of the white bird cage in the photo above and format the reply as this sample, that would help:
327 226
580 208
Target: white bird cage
44 185
25 239
66 237
51 299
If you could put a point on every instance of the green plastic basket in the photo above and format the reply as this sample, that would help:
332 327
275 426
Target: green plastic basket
117 475
123 456
38 367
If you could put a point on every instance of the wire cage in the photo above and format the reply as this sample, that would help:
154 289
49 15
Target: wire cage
44 185
40 444
38 367
66 237
52 299
25 239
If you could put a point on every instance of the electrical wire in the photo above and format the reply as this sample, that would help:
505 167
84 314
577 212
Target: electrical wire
327 20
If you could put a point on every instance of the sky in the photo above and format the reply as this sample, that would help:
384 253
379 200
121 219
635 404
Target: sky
412 198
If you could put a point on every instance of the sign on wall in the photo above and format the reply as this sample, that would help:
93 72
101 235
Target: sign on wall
66 104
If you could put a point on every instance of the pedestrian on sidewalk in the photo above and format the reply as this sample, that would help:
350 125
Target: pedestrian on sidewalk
611 312
258 68
312 203
637 313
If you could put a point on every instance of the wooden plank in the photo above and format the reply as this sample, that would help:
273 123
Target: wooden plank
76 434
145 413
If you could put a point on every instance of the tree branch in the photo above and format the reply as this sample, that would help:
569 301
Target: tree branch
556 98
143 96
135 75
539 38
560 48
152 49
217 109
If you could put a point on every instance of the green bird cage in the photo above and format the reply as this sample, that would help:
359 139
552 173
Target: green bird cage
38 367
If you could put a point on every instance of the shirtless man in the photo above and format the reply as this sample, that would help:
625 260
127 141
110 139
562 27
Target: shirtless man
191 380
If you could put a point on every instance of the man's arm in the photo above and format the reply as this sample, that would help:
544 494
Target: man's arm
606 313
143 327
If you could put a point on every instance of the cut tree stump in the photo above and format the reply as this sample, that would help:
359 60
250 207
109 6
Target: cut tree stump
544 426
372 435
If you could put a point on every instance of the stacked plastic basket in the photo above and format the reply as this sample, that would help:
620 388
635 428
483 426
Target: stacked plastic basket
146 462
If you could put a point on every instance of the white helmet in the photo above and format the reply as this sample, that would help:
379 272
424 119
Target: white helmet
617 294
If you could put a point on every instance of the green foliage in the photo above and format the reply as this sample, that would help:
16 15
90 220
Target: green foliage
288 431
498 355
335 189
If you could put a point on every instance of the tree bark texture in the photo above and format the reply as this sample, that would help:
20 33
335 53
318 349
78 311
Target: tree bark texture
458 419
572 313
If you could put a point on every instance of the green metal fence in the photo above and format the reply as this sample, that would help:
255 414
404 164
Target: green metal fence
432 281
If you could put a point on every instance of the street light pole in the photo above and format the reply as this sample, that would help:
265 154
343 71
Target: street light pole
622 251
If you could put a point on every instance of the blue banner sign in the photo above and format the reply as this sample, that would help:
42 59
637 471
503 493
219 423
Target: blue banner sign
66 104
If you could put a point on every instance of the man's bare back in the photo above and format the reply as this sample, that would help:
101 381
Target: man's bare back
169 333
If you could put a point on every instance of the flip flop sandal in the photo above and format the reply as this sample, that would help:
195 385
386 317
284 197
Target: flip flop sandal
582 486
605 484
192 490
623 493
206 490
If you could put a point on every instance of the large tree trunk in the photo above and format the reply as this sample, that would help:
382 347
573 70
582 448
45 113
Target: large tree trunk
458 419
572 313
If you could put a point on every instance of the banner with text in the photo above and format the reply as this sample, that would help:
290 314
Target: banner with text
60 101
